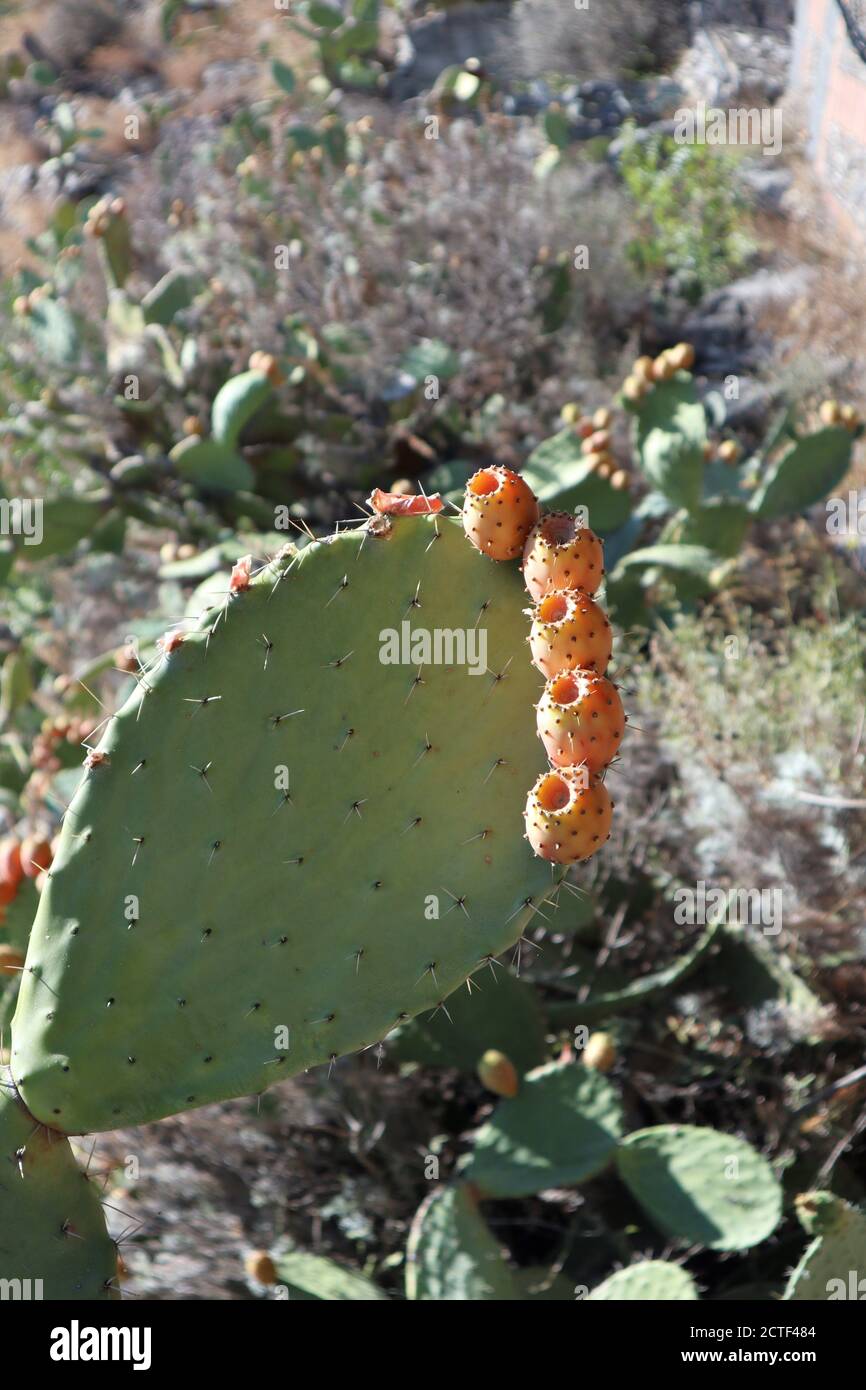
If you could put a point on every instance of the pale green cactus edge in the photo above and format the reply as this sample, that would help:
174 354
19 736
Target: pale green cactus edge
650 1281
452 1255
833 1266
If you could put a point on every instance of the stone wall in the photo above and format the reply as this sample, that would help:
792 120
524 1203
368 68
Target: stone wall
828 76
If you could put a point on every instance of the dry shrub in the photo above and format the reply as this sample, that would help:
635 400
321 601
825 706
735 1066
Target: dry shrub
450 239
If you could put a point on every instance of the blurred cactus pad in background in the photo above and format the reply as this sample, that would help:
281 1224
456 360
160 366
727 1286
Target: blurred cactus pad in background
432 697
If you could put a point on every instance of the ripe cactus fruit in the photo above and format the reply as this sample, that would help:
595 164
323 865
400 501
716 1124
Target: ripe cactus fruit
729 451
682 357
35 856
636 387
596 443
498 1074
600 1052
581 720
268 365
830 413
281 797
259 1266
663 367
562 554
569 630
11 959
11 869
567 818
499 511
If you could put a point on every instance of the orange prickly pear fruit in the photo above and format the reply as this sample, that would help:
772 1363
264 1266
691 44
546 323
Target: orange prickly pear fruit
35 856
498 1074
567 818
562 554
682 356
729 451
634 388
11 960
499 511
11 871
663 368
600 1052
569 630
581 720
259 1266
597 443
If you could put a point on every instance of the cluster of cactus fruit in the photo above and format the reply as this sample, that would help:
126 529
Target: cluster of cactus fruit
580 718
594 432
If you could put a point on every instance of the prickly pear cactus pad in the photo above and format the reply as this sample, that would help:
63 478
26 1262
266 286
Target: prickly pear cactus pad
833 1266
304 826
52 1229
703 1186
648 1281
559 1130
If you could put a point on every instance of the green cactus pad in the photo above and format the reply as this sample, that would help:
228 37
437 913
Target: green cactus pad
452 1256
670 434
212 465
833 1267
313 1278
601 1002
207 930
51 1227
236 403
806 473
560 1129
703 1186
501 1011
168 298
650 1281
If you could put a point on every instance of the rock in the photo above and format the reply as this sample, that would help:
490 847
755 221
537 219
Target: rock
727 63
444 40
768 183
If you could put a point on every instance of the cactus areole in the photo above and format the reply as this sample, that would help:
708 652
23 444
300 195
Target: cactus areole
289 846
